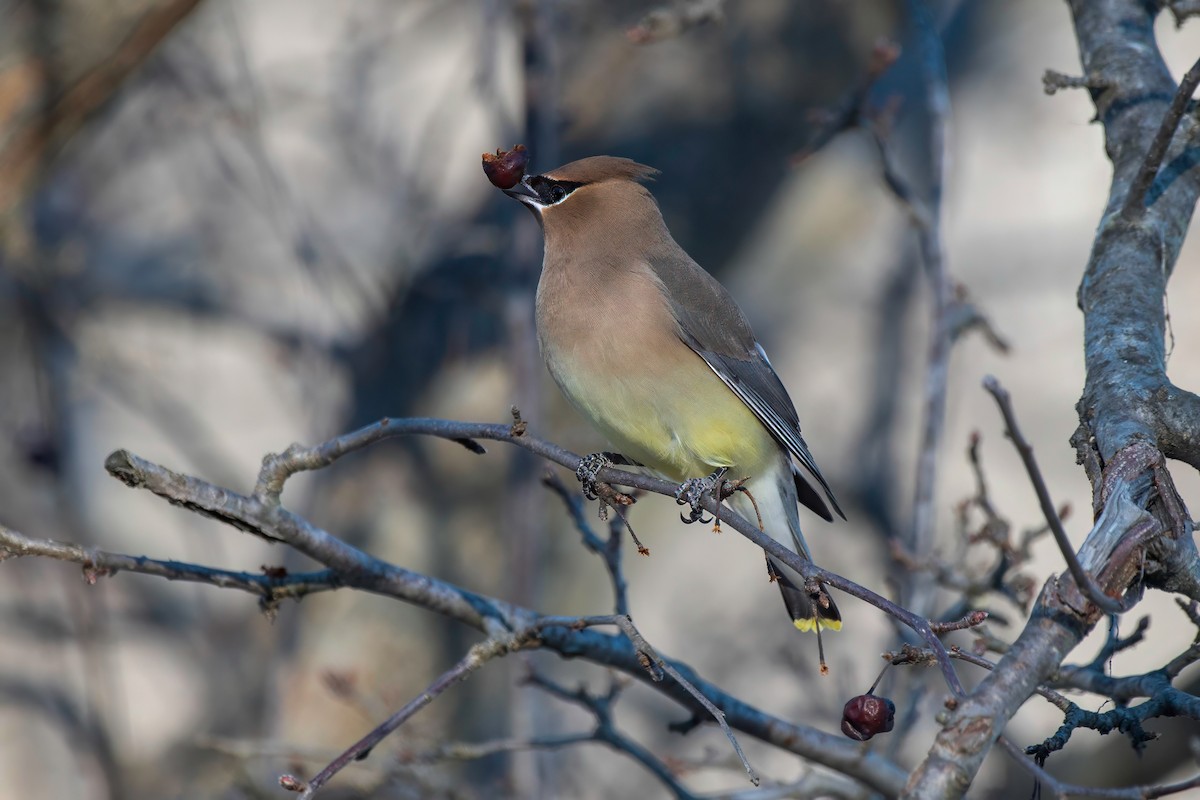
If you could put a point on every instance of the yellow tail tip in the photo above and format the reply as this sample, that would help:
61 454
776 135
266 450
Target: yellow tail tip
809 625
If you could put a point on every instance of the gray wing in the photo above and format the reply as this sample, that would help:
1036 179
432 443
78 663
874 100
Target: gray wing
712 324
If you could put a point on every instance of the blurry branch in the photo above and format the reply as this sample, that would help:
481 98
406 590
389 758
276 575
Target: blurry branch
500 643
542 33
76 717
1182 9
471 751
1001 576
601 707
952 313
964 316
1131 416
657 666
670 21
40 116
922 535
876 444
604 732
609 550
511 626
856 110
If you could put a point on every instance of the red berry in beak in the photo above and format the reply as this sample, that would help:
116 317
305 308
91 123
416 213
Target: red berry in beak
505 169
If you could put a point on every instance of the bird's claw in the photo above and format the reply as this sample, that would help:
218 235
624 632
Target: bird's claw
691 493
587 470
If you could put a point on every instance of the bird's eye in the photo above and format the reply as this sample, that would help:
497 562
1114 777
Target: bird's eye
557 193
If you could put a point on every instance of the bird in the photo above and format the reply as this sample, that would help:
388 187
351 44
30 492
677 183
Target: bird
657 355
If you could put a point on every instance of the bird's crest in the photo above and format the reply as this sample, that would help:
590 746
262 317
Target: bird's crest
602 168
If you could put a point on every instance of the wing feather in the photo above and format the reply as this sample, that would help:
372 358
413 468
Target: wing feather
719 333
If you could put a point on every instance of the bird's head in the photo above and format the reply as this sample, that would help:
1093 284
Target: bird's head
576 191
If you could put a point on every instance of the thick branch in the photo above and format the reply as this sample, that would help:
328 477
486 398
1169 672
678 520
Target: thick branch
1126 389
1127 397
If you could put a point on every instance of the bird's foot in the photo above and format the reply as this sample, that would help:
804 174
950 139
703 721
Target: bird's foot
590 466
692 491
587 470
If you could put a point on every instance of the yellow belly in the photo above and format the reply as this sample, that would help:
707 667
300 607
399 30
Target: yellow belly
682 422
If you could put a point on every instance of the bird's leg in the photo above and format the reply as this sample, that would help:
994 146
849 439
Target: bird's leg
691 493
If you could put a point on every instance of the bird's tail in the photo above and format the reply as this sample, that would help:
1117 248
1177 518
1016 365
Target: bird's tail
807 611
774 505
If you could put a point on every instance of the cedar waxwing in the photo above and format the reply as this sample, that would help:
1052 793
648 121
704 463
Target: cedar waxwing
656 354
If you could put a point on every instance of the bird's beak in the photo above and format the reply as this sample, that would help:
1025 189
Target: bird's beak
522 191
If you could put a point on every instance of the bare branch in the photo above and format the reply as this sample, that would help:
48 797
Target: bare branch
600 707
1134 202
1025 450
1053 81
1057 788
915 655
270 586
475 658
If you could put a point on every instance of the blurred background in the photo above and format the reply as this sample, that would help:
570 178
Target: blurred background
275 229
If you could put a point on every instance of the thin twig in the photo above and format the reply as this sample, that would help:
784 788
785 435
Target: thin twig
475 658
606 732
916 655
1135 201
1054 697
1059 789
269 585
853 111
1114 643
1053 81
667 22
470 751
969 620
655 661
1085 582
